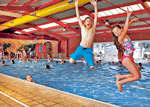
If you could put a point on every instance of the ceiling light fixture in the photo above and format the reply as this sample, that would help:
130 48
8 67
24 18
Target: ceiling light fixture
107 22
64 29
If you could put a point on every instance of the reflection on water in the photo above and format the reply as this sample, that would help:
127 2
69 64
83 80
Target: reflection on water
97 83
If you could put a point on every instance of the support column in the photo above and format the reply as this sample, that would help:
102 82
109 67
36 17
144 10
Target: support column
59 48
66 48
111 54
140 50
105 51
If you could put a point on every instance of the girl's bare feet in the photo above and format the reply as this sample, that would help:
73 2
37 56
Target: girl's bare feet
119 85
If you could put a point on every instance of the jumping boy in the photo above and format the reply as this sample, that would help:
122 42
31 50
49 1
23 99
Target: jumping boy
87 32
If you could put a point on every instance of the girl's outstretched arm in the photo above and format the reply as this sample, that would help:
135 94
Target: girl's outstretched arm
77 13
126 26
133 20
94 3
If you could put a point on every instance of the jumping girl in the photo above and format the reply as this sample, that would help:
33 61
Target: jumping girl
123 44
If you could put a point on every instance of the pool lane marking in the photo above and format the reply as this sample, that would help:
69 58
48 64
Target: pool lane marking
14 99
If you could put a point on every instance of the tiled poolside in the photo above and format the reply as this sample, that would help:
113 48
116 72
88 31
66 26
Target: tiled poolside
25 94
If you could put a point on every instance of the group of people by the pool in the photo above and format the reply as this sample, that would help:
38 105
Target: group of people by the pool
121 40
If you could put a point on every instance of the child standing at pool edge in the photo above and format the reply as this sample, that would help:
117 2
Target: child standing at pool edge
123 43
87 32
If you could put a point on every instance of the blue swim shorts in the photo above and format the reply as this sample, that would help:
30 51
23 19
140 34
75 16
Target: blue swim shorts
83 52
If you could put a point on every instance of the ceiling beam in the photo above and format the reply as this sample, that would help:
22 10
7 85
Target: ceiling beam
109 34
15 36
6 18
145 7
123 14
47 32
63 25
76 23
113 16
12 2
84 10
125 11
17 8
105 30
103 9
11 14
113 23
122 22
70 34
30 34
45 29
129 32
36 36
48 4
29 3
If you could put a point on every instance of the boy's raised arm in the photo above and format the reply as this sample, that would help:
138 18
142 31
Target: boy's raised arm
94 3
77 13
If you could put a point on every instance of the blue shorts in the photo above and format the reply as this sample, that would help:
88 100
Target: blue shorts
83 52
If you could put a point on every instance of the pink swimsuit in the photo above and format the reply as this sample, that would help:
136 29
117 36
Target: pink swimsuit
129 48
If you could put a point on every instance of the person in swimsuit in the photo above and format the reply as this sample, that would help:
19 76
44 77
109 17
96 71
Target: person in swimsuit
113 63
3 63
119 63
48 67
87 32
12 62
140 66
29 78
49 59
123 44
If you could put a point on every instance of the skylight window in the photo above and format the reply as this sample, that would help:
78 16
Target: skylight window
83 17
135 7
99 32
140 6
120 11
148 3
48 25
139 29
99 15
71 20
114 11
102 14
32 29
108 12
125 8
29 30
17 32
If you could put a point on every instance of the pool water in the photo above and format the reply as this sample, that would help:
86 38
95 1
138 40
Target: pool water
97 83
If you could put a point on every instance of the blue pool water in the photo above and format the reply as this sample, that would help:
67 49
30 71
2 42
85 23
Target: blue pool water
98 83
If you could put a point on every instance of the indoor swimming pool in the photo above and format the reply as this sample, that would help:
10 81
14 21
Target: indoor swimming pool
97 83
